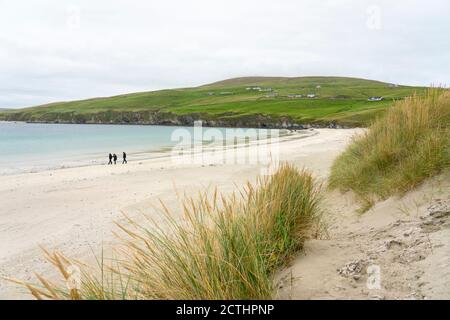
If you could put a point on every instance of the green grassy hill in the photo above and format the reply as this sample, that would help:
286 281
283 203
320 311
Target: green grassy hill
250 101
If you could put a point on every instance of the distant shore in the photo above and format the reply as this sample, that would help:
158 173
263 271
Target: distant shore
285 123
251 102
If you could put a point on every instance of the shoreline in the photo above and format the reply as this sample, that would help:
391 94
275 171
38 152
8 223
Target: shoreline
287 124
99 159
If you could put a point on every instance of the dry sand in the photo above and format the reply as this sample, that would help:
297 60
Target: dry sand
400 249
73 210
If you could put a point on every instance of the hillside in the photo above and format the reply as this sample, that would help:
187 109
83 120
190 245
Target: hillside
250 101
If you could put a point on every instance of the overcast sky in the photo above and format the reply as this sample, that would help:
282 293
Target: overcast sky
52 50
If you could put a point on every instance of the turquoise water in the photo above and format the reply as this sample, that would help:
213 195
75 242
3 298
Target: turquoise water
34 147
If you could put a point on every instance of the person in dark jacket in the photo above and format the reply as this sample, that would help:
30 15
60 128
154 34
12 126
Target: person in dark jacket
110 159
115 158
124 158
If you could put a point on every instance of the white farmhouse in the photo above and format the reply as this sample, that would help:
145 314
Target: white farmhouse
375 99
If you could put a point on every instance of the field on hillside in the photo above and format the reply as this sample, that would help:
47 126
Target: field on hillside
235 101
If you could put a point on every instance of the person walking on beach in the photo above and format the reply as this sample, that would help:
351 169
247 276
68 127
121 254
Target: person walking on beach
115 158
110 159
124 158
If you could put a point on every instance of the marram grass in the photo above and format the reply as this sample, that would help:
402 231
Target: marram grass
223 248
399 151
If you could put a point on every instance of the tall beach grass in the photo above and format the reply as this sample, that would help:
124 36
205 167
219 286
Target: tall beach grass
223 248
399 151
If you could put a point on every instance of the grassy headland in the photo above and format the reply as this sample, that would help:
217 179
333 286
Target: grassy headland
410 143
246 102
223 249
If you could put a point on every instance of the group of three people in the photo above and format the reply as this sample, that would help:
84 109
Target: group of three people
113 157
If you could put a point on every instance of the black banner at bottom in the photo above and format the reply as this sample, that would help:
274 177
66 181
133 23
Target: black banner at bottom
222 309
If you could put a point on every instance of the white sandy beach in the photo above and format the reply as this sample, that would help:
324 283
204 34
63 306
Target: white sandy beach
73 210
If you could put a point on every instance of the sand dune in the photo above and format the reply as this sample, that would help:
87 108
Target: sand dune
403 242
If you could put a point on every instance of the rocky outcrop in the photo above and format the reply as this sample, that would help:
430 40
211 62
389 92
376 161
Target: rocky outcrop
165 118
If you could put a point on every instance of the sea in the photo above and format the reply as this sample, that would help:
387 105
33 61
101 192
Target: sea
33 147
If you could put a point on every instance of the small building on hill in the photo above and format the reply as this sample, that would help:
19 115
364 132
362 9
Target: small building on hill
375 99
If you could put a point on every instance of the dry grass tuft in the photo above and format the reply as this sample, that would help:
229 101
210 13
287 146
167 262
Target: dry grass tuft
399 151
